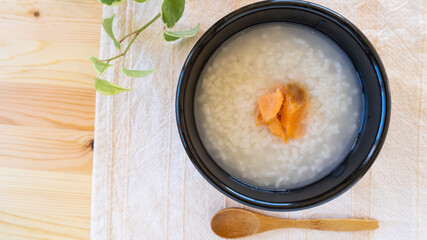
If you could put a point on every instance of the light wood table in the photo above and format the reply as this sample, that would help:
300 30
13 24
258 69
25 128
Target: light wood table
47 109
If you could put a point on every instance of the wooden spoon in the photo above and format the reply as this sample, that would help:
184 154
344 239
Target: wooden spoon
238 222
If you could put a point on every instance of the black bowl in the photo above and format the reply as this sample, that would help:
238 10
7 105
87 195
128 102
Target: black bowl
376 104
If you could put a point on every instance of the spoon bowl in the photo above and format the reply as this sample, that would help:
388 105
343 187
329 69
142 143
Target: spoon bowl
234 223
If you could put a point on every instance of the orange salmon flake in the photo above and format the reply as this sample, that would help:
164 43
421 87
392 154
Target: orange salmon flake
269 105
283 111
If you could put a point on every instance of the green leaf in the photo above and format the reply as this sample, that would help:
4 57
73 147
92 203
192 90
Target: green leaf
172 36
140 1
99 65
172 11
107 24
169 38
137 73
112 2
108 88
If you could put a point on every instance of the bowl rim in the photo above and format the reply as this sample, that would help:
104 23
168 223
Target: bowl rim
381 134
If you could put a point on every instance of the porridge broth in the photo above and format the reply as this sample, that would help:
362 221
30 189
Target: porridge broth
252 63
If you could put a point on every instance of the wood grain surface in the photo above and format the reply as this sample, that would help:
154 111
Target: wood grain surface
47 110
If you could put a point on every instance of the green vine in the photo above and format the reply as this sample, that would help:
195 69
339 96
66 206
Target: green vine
170 13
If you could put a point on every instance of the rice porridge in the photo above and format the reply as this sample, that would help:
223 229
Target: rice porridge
252 63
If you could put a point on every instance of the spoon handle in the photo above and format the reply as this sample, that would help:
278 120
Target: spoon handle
337 224
269 223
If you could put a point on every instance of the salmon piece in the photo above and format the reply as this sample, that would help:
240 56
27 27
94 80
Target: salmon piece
282 89
270 104
293 110
295 127
276 128
258 117
283 111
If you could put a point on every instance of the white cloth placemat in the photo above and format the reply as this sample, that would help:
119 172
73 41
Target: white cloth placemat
144 185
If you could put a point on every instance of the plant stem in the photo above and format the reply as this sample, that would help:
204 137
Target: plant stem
130 34
110 59
135 33
105 67
139 31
